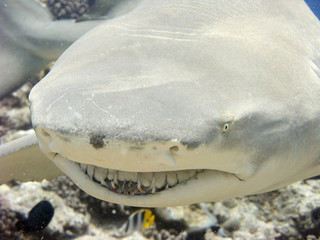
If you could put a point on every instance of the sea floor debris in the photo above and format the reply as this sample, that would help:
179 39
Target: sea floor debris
289 213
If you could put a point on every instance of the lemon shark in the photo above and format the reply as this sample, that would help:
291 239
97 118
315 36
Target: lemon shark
178 102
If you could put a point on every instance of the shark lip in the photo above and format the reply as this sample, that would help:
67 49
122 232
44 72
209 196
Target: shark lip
131 184
137 183
156 190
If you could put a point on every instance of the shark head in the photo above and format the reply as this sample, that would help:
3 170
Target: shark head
176 103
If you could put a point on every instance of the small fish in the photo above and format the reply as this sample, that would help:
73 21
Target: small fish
38 218
138 220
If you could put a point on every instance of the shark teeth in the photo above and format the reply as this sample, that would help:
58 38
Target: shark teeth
136 183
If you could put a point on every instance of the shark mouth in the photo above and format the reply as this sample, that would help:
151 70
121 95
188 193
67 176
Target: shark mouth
148 189
137 183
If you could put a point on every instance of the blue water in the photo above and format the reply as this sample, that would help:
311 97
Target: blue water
314 5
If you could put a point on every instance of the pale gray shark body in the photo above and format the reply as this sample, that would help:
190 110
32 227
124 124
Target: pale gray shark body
178 102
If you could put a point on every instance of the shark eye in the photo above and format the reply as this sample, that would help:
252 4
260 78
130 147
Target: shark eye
225 127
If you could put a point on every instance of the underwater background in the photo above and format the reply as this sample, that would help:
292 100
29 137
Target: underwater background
314 5
292 212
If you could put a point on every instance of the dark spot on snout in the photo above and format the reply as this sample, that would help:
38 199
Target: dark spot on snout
66 139
97 141
191 145
205 138
136 148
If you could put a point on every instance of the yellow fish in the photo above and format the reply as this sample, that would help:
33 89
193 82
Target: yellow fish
138 220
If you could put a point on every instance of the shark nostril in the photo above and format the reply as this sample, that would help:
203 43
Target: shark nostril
44 139
43 133
174 149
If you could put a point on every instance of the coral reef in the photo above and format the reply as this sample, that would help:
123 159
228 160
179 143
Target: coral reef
68 9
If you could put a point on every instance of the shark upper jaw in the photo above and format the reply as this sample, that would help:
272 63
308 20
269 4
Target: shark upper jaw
168 173
152 175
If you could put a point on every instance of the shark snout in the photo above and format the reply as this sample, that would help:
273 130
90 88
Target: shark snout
153 156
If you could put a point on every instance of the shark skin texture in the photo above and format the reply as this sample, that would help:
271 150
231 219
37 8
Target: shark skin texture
176 103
